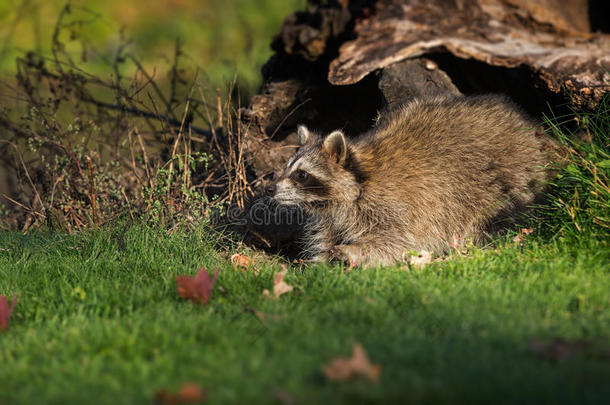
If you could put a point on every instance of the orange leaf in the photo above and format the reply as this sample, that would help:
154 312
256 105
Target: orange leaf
522 234
6 311
189 393
197 289
345 369
242 261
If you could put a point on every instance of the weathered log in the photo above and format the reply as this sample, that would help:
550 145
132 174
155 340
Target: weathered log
547 36
414 78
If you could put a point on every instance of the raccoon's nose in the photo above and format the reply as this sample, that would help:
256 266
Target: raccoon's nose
270 189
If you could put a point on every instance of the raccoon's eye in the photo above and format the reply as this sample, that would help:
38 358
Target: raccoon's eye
300 175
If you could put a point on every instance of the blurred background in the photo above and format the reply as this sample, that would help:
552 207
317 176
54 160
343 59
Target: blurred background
117 93
222 38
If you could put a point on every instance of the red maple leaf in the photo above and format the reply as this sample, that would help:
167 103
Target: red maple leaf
6 311
197 289
189 393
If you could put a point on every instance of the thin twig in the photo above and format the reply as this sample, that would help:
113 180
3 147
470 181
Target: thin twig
92 191
27 174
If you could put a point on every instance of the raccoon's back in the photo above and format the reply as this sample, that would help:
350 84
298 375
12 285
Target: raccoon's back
452 163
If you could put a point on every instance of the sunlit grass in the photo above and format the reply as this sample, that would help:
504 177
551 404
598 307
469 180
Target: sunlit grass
99 320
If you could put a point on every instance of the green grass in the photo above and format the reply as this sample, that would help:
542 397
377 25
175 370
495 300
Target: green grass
99 318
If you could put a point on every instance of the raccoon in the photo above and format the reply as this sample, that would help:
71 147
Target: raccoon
432 175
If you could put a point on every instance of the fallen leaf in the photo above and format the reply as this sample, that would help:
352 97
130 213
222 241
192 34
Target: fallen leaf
6 311
345 369
522 234
558 349
189 393
197 289
244 262
279 285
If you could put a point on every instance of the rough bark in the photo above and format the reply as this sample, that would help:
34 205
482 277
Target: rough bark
550 37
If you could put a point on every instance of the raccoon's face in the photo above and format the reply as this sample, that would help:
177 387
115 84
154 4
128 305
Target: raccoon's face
319 174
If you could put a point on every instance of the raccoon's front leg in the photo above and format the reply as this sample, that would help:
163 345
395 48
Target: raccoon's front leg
357 254
332 253
321 243
351 254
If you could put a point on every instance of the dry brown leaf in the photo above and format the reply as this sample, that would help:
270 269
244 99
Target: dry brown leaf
244 263
345 369
189 393
279 285
522 234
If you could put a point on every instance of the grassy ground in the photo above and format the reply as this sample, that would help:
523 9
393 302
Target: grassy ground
98 317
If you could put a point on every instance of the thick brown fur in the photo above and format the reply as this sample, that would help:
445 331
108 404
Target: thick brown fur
432 174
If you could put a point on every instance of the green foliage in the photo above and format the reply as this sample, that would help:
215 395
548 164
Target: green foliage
579 198
222 37
172 194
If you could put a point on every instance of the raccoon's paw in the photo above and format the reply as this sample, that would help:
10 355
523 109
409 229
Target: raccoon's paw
349 254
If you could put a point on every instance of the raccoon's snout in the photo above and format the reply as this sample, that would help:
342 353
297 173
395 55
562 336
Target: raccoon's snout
270 189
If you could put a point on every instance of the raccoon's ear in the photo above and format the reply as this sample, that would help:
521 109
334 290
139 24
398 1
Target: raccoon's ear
336 146
303 135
